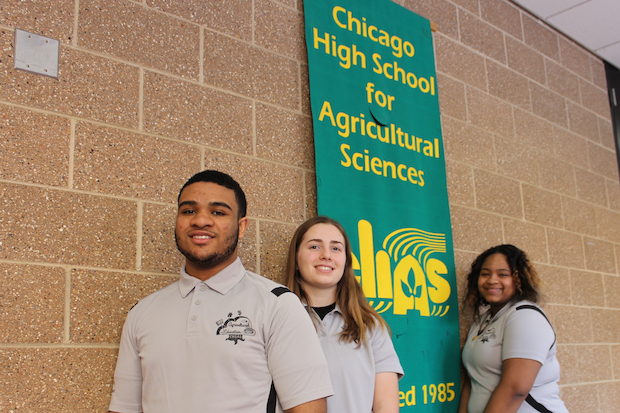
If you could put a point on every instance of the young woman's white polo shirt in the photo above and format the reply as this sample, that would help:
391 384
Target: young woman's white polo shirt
352 369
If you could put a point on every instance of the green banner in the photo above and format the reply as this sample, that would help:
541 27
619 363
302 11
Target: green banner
381 172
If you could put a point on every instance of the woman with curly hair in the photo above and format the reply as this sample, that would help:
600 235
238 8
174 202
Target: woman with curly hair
363 366
510 350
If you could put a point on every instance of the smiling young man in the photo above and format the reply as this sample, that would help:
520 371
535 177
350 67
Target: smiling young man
221 339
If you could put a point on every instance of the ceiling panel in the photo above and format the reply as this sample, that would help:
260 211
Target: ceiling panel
547 8
611 53
594 24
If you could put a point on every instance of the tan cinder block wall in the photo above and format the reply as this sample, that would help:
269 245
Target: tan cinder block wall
152 91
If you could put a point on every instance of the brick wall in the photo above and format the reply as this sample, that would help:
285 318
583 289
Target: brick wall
151 91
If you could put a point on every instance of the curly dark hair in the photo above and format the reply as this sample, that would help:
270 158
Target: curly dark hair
524 275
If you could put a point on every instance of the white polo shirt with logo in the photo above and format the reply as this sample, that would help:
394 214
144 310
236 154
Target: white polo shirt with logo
228 344
518 330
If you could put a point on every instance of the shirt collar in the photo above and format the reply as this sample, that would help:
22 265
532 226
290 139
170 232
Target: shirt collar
336 309
222 282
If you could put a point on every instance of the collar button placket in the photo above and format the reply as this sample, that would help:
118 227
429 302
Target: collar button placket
196 297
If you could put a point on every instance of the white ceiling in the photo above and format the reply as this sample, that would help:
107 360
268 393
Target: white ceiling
595 24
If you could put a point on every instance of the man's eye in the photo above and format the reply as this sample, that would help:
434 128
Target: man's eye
187 211
219 213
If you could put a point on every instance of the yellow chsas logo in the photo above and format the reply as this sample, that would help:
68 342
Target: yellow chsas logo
417 282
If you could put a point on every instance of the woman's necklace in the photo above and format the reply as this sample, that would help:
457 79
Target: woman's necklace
483 325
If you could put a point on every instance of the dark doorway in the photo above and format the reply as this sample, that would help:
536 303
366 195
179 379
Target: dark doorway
613 88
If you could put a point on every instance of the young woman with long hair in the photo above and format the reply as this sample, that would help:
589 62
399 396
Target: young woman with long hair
363 365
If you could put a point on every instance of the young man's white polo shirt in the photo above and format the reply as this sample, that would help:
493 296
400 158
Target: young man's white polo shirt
222 345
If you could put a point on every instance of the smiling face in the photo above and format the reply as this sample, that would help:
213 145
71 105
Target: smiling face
495 282
321 260
207 228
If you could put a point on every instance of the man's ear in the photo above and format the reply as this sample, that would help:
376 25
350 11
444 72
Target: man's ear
243 225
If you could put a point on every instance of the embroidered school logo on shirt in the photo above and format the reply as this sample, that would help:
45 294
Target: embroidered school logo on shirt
235 327
487 335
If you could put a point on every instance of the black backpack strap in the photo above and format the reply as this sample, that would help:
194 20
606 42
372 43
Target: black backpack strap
542 409
533 307
271 402
529 399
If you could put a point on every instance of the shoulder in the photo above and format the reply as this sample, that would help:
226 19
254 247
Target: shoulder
528 333
379 330
528 317
379 336
527 309
266 286
275 297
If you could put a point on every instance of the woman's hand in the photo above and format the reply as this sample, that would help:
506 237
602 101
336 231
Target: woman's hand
518 376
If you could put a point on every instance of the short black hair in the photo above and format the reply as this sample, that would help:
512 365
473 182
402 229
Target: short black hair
222 179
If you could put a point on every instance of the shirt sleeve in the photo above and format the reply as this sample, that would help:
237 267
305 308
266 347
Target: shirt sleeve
294 355
527 335
127 390
386 359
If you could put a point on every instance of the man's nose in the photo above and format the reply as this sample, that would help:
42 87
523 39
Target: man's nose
202 219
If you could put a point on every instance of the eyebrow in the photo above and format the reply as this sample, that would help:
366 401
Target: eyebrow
211 204
220 204
320 240
499 269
